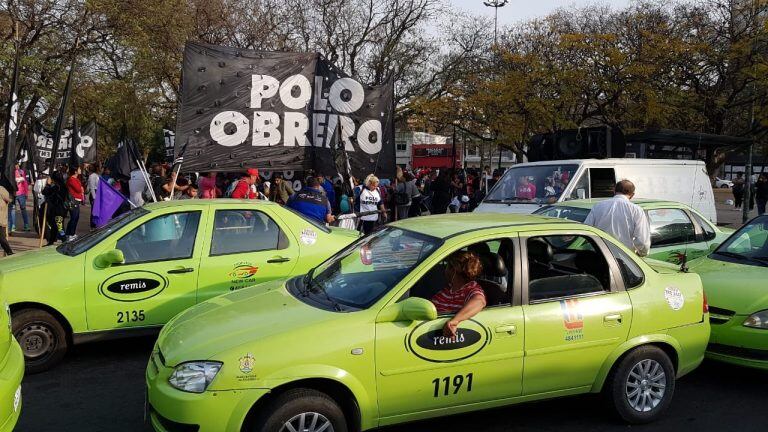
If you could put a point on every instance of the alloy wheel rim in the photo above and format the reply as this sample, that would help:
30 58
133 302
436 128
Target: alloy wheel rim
646 385
307 422
36 340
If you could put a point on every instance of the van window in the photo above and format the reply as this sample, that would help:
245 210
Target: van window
581 184
602 182
532 184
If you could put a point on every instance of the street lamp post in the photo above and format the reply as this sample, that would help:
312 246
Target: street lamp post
495 4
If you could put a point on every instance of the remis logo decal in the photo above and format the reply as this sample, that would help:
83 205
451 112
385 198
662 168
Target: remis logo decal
133 286
427 341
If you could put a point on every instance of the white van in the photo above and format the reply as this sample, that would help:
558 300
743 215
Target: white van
527 186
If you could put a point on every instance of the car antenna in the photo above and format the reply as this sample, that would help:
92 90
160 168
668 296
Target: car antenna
684 257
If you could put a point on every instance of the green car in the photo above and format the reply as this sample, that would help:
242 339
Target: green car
147 265
355 344
677 230
735 278
11 373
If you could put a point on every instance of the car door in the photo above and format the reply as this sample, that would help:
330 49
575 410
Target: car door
245 246
576 309
419 369
674 235
158 277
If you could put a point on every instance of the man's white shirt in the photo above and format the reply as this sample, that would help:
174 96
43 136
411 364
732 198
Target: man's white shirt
624 220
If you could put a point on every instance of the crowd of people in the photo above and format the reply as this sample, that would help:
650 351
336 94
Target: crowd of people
322 196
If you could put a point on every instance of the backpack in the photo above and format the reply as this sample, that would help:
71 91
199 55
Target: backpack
231 189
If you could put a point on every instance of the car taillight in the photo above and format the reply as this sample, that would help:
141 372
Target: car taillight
705 306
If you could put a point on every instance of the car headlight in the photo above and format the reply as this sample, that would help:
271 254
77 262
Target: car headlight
194 377
758 320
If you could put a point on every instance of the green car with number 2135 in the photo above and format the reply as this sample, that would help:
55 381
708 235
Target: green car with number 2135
357 344
149 264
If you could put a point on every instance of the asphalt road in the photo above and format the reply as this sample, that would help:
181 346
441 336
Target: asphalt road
99 387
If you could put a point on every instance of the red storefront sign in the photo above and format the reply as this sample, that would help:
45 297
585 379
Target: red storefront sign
435 156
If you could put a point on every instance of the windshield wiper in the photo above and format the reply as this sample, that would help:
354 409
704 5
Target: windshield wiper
311 285
763 261
307 280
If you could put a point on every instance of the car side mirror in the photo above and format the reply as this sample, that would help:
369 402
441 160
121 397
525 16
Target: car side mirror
410 309
109 258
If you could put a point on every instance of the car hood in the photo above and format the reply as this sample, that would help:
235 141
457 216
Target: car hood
33 258
234 319
343 232
737 287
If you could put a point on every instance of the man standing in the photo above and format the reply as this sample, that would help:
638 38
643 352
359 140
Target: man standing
738 189
622 219
243 188
5 199
312 202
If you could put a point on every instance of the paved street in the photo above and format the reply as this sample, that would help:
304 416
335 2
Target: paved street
100 387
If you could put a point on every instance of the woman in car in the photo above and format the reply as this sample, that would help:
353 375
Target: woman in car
462 296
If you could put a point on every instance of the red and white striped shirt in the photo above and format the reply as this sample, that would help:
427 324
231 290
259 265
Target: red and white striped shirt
447 301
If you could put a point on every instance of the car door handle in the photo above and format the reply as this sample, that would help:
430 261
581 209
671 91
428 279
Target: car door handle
612 318
181 270
509 329
279 259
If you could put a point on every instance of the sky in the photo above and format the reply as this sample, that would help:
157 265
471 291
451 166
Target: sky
521 10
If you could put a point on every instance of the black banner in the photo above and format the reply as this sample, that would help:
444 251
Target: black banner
280 111
85 149
169 142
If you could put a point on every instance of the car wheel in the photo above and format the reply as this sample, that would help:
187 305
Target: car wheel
302 410
725 186
42 338
641 385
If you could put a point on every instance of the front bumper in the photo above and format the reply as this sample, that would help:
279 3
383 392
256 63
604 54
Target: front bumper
733 343
11 373
172 410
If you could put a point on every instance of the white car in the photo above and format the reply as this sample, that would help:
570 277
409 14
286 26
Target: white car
723 183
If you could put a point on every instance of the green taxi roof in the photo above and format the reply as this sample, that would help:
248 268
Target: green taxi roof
204 203
450 225
647 204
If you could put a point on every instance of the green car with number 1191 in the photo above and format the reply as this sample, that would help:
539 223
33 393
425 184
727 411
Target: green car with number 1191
357 344
147 265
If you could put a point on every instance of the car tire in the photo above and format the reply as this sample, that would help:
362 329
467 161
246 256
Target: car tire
725 186
640 386
42 338
317 409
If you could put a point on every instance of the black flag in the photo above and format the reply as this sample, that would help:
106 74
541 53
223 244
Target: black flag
7 179
74 139
125 159
279 111
62 115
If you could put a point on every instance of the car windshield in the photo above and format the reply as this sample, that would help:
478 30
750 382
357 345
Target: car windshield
87 241
362 273
319 225
749 244
562 212
537 184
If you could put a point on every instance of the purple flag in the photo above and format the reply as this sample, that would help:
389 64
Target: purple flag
107 201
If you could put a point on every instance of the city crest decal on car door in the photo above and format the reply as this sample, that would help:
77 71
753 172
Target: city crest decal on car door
427 342
134 285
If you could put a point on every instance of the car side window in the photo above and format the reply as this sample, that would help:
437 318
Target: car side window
565 265
670 227
706 228
241 231
167 237
631 273
496 257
